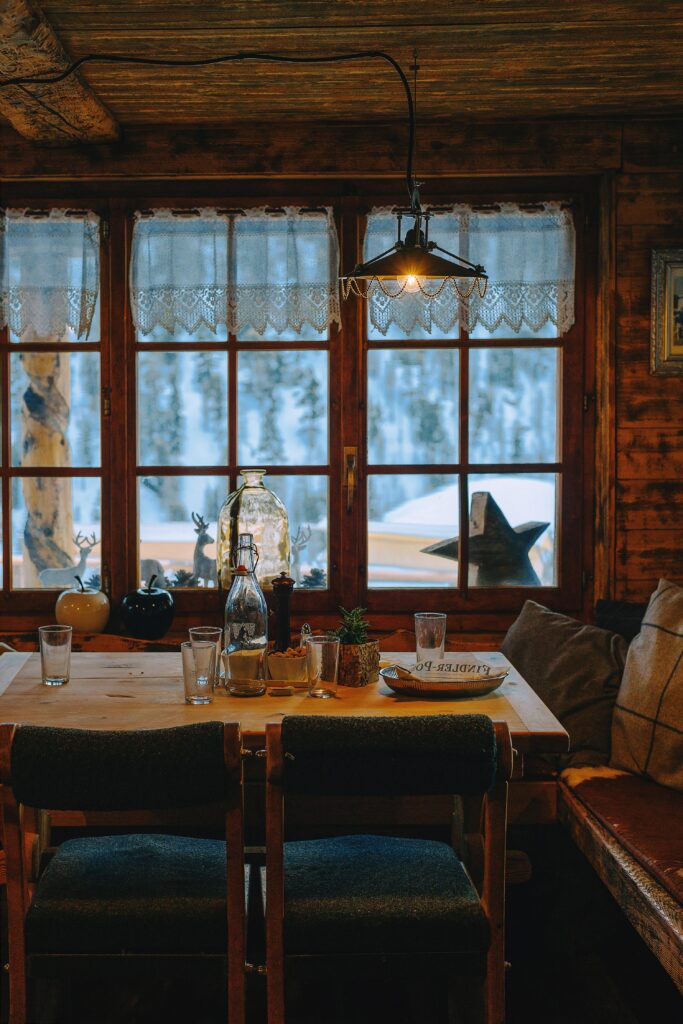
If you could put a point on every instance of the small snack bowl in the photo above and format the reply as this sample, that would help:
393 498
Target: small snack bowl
289 665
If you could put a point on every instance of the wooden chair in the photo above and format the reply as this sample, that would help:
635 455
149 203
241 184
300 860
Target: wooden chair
409 902
143 902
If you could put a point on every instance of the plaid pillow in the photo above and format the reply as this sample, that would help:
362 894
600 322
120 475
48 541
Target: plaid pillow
647 725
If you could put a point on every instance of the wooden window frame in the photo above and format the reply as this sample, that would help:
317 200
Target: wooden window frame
199 601
347 401
26 605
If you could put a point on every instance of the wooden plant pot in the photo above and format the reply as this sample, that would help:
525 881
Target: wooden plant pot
358 663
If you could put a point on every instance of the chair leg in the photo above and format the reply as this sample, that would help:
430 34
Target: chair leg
236 993
466 1000
275 987
17 991
495 982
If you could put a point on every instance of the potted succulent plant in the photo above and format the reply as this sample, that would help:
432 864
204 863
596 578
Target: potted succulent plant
358 656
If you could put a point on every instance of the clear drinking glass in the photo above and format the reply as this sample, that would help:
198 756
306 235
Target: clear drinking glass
322 663
55 654
198 688
214 633
430 635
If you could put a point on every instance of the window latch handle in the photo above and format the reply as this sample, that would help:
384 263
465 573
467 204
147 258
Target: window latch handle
350 480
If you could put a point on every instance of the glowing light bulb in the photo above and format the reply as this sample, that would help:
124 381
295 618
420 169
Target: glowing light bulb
412 283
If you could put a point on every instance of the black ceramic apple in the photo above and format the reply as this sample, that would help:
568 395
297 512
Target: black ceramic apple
147 613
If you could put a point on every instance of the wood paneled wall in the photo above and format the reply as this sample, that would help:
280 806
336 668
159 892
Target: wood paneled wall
638 166
649 409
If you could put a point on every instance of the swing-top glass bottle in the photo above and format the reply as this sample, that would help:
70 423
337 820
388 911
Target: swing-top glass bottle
246 626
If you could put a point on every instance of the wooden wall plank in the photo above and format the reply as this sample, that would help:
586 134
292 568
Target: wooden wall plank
650 555
605 391
636 408
652 146
311 149
636 589
658 507
59 114
654 453
649 539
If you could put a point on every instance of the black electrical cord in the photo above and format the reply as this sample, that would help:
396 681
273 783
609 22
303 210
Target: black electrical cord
271 58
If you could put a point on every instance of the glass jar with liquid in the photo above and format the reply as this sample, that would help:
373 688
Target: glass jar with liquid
254 509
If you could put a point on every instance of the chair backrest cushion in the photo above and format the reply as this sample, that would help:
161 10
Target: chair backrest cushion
389 755
84 769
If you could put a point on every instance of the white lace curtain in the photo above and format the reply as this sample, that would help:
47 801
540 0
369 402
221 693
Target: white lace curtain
260 270
49 272
528 253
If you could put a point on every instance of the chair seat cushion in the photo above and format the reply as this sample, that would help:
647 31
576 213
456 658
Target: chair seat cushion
377 895
131 893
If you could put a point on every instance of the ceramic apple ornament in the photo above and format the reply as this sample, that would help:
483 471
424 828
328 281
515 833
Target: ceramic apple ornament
84 609
147 613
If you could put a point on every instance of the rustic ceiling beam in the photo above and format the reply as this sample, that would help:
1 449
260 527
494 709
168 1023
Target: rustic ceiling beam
59 114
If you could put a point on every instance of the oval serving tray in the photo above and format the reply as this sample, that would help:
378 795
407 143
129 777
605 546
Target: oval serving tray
413 686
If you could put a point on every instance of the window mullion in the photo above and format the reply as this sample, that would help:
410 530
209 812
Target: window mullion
464 456
6 458
118 373
347 428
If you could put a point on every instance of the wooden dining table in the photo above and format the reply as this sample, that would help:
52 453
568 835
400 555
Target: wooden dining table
145 691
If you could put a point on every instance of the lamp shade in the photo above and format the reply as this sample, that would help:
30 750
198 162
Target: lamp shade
414 261
409 265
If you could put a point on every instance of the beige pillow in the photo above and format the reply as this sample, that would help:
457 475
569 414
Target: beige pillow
647 725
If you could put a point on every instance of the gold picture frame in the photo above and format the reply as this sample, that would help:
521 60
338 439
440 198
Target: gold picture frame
666 322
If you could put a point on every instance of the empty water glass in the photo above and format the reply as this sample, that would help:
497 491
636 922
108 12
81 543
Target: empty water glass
55 654
198 686
322 663
214 633
430 636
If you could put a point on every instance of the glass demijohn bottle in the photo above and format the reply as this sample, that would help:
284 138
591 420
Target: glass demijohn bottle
246 635
253 508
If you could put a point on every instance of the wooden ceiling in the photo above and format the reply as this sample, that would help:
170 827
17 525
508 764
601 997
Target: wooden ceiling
494 60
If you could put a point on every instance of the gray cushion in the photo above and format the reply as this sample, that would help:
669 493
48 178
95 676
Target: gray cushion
91 770
576 670
379 895
136 894
647 729
328 754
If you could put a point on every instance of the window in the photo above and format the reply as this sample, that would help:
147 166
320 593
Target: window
214 343
52 479
232 371
464 422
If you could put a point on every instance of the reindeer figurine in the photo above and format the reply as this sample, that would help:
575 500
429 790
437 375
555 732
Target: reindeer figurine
67 577
299 542
203 568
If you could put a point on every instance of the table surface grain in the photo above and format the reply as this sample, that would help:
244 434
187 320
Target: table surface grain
145 691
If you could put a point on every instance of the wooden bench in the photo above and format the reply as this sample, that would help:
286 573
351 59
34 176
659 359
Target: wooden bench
631 832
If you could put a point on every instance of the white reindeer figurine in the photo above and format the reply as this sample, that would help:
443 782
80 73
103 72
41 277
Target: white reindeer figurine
204 568
67 577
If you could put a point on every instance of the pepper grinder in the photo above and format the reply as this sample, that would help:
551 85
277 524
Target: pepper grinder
282 596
